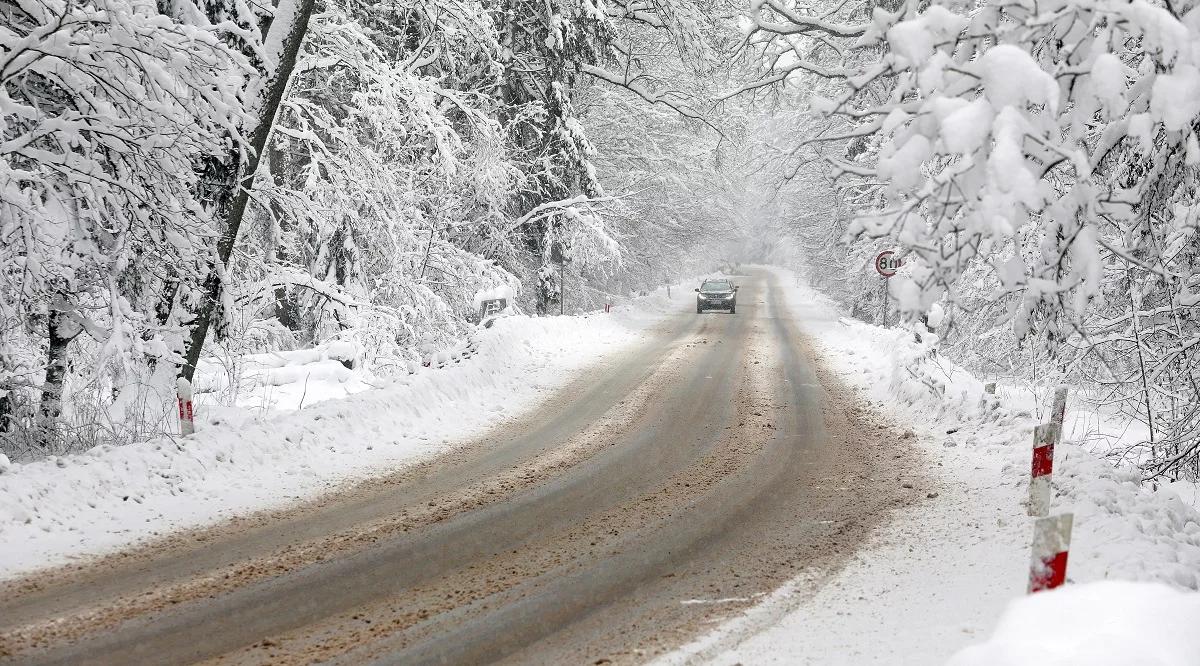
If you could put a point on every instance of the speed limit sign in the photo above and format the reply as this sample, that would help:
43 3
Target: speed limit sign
887 263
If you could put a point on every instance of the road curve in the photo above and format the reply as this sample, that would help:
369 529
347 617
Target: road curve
660 492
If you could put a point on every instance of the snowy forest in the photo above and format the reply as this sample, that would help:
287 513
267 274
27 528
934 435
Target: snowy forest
189 182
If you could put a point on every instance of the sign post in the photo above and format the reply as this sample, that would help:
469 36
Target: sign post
886 264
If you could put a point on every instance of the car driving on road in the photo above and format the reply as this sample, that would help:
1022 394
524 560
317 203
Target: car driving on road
716 295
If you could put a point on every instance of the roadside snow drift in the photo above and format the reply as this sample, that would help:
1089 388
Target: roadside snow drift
1109 623
57 509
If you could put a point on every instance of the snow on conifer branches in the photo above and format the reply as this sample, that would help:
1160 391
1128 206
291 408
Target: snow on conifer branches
987 121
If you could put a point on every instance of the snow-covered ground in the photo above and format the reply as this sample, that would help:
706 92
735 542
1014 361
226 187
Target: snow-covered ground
303 424
940 575
1104 623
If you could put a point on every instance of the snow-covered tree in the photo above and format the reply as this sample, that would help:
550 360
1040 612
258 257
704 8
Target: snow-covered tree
386 167
108 106
659 143
544 45
179 171
1051 145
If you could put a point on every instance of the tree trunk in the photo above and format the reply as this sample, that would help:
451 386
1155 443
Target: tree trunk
286 308
6 413
56 367
1136 304
242 184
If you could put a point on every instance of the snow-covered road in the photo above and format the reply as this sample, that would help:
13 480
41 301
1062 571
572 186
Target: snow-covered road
938 575
266 454
671 485
783 485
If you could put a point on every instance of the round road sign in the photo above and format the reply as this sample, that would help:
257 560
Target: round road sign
887 263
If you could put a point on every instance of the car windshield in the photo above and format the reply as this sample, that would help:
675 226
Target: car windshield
716 285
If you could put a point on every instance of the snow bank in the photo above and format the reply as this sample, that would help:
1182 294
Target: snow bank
1110 623
60 508
1122 529
281 380
938 576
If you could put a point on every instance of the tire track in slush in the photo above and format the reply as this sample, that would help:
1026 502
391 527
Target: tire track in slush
726 464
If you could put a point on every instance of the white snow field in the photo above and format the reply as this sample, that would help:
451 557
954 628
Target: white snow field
266 453
939 575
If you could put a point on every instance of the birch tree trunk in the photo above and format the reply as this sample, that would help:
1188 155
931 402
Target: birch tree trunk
60 330
240 182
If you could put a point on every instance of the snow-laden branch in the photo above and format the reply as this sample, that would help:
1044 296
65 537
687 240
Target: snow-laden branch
634 84
792 22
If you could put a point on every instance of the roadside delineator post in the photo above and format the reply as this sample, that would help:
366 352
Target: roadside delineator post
1051 534
1044 438
1058 411
1051 543
187 424
1041 470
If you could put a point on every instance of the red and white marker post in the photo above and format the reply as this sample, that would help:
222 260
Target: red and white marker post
1041 469
187 424
1051 544
1051 534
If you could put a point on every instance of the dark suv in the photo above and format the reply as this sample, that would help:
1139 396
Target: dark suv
716 295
